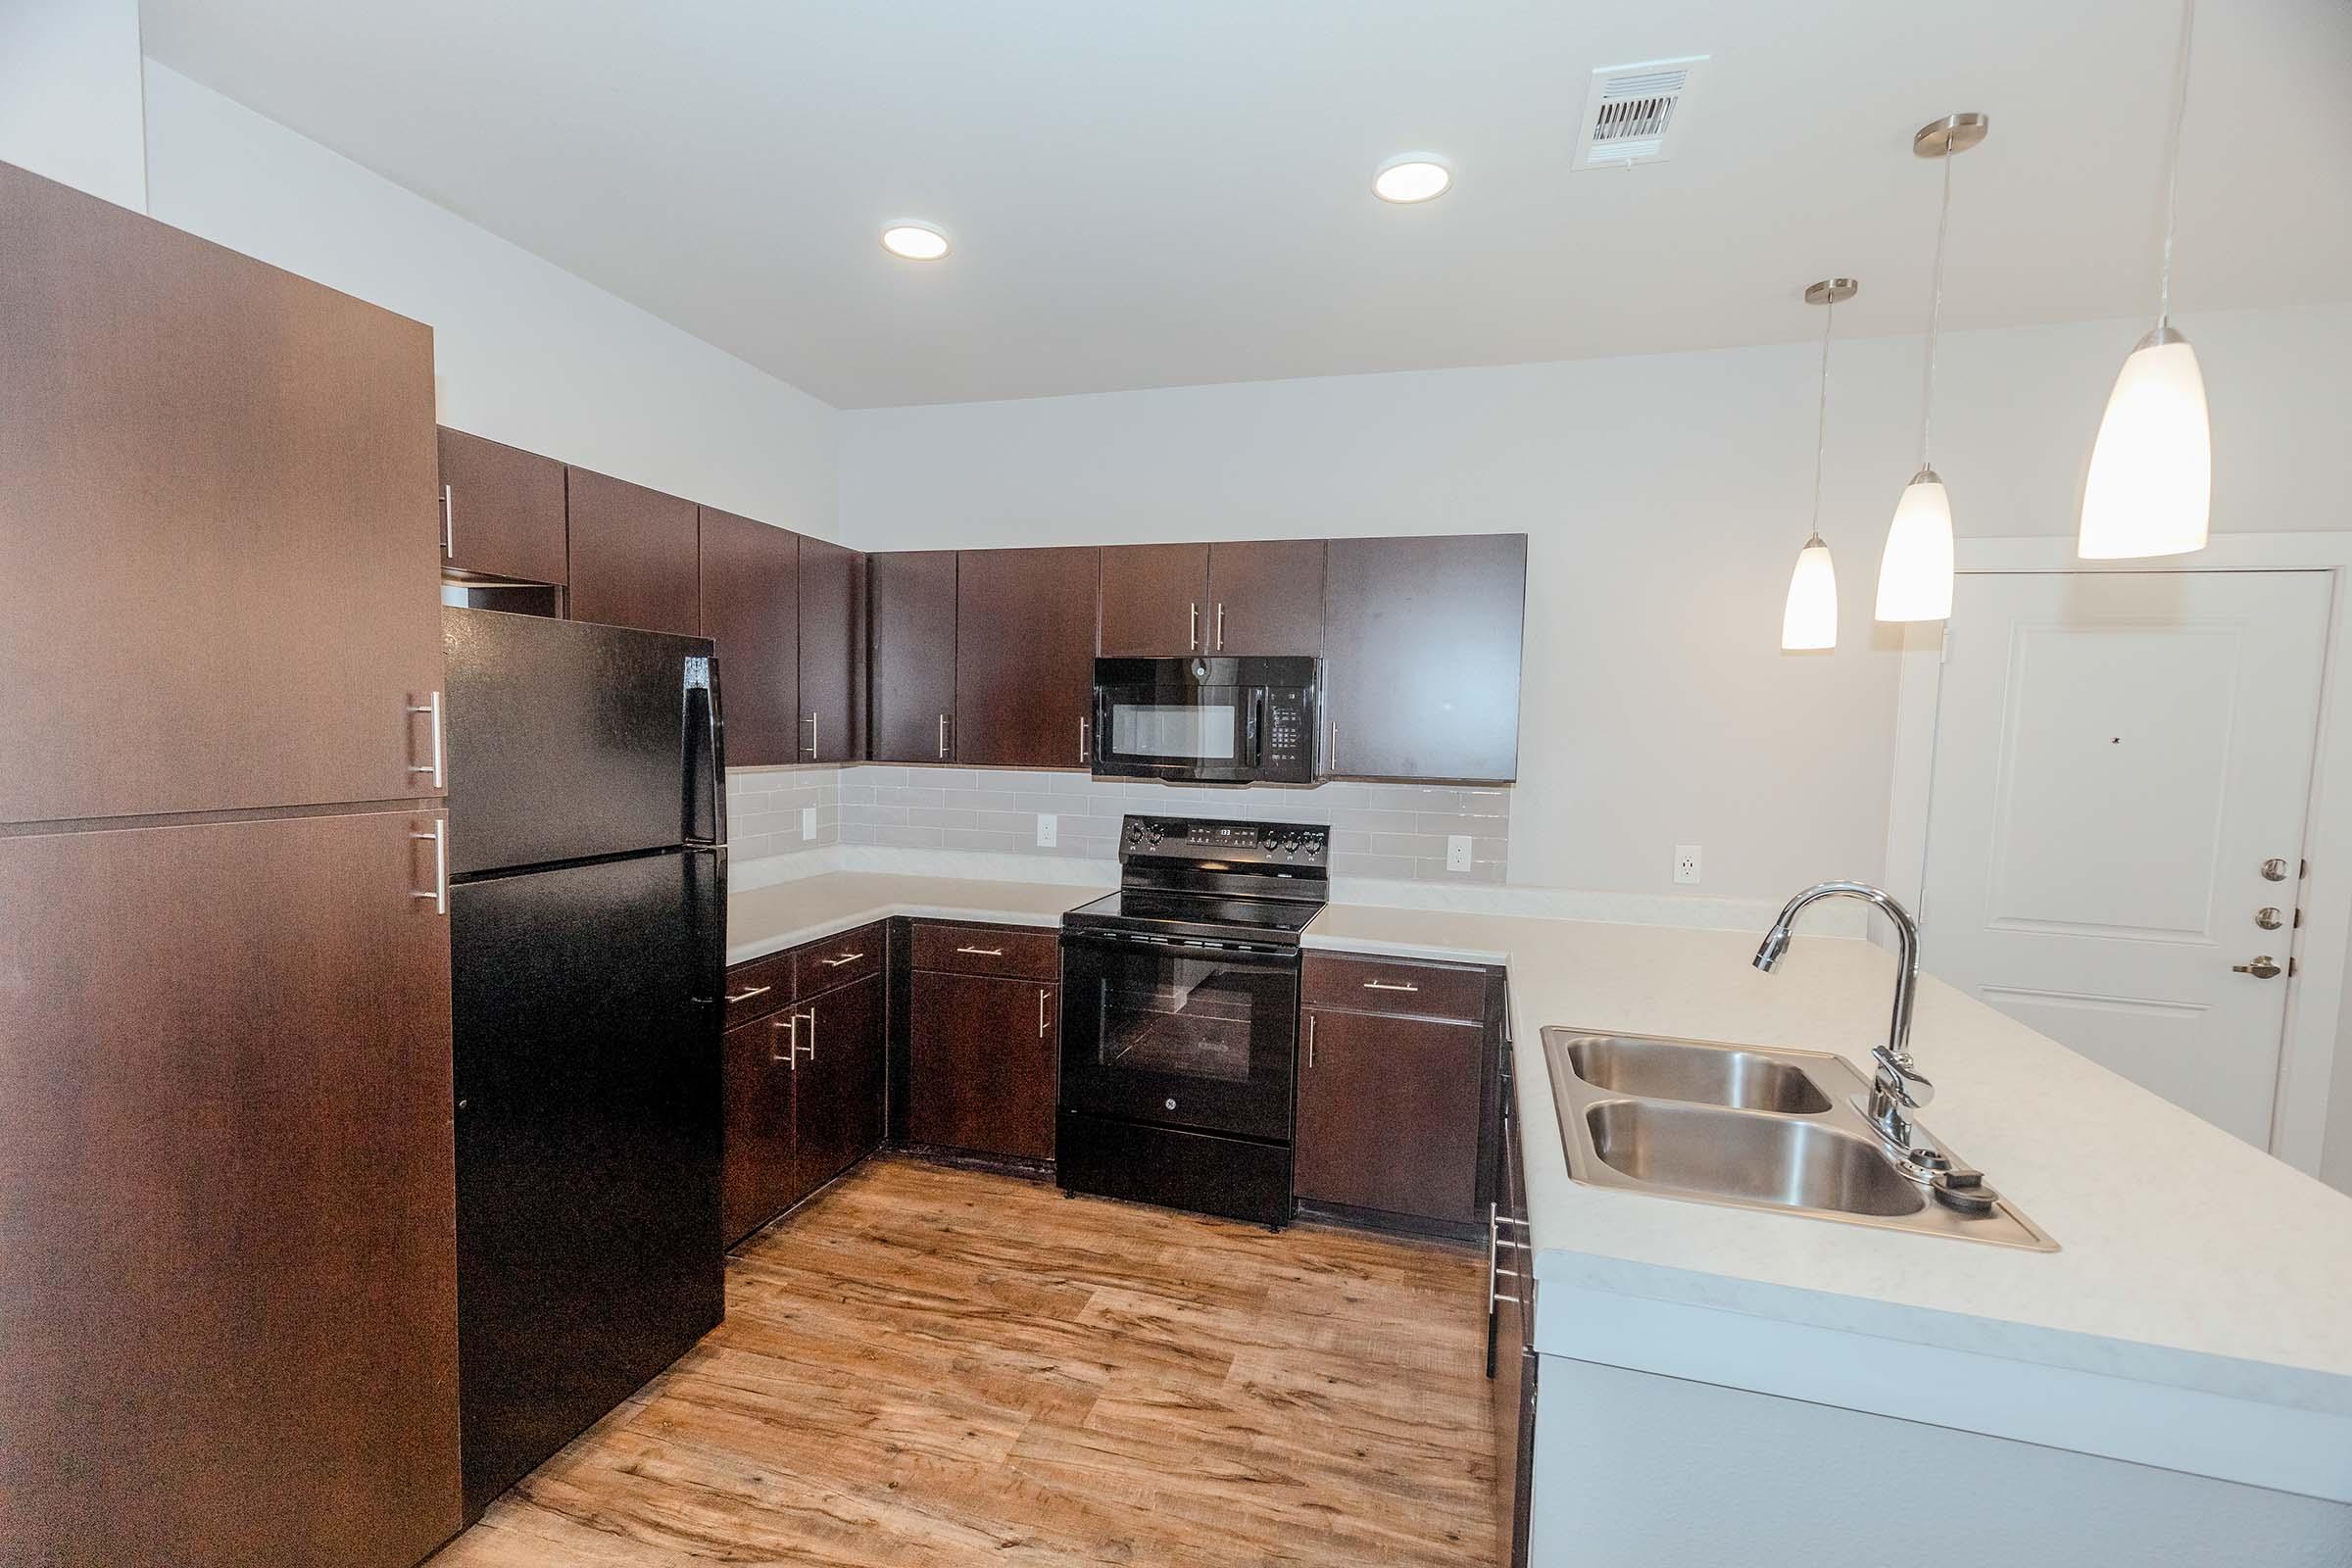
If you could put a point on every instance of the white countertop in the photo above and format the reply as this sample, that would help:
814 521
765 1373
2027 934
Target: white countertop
2188 1261
769 919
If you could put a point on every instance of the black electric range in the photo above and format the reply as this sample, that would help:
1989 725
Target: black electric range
1180 1016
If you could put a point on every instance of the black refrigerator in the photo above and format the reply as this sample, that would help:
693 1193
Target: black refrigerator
588 897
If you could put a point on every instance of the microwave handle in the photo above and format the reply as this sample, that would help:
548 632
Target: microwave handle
1258 728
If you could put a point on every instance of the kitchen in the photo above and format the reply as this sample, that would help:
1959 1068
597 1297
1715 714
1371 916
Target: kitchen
1291 768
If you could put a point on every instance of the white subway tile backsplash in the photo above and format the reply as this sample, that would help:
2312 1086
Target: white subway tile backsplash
1396 832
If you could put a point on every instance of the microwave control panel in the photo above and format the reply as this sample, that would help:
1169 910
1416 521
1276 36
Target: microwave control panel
1287 751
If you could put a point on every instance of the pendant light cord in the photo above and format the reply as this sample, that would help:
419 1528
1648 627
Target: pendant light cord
1821 438
1927 391
2172 162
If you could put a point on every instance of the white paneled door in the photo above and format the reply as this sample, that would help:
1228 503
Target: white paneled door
2119 759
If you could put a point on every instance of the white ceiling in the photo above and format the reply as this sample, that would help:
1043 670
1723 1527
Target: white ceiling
1152 194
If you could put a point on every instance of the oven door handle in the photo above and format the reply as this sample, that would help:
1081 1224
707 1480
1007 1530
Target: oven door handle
1137 939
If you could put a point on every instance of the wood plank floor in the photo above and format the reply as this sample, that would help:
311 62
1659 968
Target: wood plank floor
939 1367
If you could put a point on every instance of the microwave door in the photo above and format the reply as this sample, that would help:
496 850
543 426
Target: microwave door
1187 732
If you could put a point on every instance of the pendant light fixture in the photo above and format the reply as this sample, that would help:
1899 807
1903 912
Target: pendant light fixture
1809 621
2150 487
1914 573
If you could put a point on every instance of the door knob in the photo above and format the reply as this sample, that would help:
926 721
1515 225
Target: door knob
2264 967
2268 918
2274 869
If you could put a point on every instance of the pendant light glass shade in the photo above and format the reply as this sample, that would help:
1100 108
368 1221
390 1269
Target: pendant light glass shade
1915 574
2150 489
1810 619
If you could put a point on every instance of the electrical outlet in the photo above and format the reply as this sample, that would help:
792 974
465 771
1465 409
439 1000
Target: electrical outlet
1049 830
1685 862
808 822
1457 852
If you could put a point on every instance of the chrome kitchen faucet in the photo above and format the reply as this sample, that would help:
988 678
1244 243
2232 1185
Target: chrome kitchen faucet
1897 1088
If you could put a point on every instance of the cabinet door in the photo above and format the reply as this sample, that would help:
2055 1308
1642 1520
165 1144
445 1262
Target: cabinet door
1025 657
832 715
839 1114
218 534
634 558
501 510
912 595
1154 600
1388 1114
227 1253
751 607
1421 657
1265 598
756 1171
986 1063
1512 1366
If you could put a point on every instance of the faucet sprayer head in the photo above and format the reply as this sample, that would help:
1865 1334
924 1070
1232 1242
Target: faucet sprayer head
1771 949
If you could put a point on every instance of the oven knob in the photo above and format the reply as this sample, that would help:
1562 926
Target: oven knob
1156 837
1135 832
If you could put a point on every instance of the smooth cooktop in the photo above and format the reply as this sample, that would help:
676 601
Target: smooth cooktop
1267 919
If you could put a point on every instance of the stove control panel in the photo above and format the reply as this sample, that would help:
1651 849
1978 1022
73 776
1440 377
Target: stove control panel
1194 839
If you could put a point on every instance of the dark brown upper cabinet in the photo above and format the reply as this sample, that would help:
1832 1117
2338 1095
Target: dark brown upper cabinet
1154 598
218 534
751 607
1266 596
832 699
502 511
1025 657
1243 599
913 597
634 559
1421 657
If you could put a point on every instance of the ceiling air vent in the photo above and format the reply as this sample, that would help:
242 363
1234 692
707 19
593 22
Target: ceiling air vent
1633 111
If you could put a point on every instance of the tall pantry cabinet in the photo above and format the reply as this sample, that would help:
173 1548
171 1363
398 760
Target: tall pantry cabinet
228 1268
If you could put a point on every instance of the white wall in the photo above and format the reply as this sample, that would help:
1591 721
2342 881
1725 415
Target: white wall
1664 496
523 352
70 106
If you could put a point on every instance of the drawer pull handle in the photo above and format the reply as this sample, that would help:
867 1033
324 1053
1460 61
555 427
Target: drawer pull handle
734 996
846 957
1382 985
983 952
791 1021
1040 1012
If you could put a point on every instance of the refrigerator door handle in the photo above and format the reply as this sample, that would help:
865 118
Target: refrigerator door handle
705 763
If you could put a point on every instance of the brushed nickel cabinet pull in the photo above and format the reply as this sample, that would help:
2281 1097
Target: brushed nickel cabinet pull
846 957
1310 1042
1192 638
812 756
1084 756
811 1016
790 1022
1220 625
449 525
746 996
439 839
983 952
943 737
1382 985
1040 1012
432 708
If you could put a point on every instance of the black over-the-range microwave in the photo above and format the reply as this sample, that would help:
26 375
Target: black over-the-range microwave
1205 720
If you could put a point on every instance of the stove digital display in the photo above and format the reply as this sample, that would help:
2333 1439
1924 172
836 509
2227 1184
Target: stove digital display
1223 835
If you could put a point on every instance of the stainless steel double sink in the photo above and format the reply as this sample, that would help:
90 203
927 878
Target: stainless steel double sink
1747 1127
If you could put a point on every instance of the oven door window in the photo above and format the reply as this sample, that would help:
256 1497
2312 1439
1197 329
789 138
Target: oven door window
1211 1031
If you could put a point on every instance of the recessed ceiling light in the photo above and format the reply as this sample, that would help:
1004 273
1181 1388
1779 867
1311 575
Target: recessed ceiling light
917 242
1411 180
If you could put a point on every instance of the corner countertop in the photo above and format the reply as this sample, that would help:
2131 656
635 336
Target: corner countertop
2187 1259
785 915
2187 1262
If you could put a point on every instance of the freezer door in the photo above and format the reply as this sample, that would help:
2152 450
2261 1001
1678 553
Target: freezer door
587 1083
567 741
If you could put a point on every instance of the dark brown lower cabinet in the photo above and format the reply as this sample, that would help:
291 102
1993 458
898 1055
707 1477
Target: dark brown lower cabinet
804 1082
986 1063
227 1245
1511 1345
1389 1113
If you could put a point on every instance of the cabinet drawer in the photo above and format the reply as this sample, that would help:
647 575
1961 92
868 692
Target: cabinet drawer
1018 951
758 988
822 966
1391 985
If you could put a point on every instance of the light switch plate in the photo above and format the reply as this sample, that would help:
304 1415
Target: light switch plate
1457 852
1049 830
807 822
